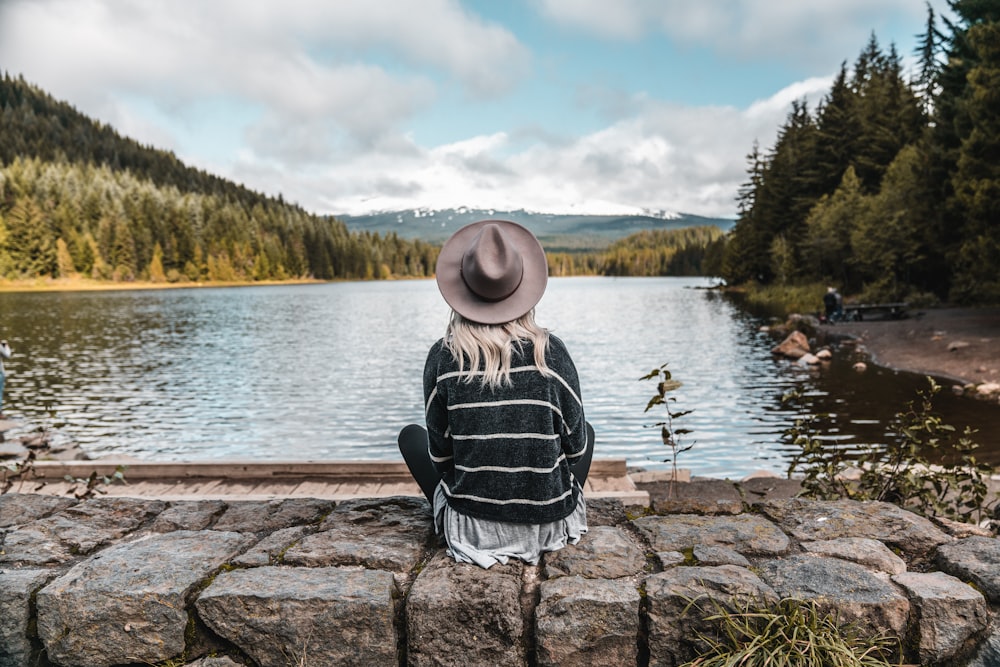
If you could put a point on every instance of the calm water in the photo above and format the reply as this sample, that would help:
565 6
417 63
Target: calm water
333 371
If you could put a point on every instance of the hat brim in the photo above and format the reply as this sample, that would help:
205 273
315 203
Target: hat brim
471 306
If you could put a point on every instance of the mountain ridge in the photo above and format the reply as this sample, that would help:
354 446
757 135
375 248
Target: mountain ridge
573 230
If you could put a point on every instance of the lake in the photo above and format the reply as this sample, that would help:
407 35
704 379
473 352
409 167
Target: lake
333 371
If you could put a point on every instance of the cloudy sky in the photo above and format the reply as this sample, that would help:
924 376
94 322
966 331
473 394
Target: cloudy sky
348 106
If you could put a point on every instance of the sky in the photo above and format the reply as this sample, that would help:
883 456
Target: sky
353 106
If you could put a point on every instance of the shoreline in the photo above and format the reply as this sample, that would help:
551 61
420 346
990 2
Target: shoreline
953 343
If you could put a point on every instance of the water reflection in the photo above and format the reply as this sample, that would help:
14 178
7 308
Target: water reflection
333 371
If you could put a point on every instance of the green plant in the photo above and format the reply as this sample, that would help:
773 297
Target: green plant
90 486
929 467
670 435
792 633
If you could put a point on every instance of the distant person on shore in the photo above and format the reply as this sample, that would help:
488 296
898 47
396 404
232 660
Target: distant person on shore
4 354
833 303
507 449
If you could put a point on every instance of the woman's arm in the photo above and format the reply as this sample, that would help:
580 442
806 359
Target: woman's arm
436 412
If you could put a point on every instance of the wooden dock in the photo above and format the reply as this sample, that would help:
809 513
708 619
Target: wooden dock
267 480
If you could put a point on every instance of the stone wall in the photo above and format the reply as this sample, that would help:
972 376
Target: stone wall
124 581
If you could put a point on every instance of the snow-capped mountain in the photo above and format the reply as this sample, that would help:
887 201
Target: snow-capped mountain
435 225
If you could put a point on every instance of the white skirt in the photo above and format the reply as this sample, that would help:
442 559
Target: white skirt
485 542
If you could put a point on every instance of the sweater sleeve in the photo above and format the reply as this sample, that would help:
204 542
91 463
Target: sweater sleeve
436 411
570 401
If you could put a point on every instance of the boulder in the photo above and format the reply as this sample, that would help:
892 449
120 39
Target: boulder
266 516
77 530
23 508
460 615
794 346
603 553
17 588
744 533
682 598
586 622
380 533
811 520
128 603
949 614
861 550
305 616
976 560
847 589
188 515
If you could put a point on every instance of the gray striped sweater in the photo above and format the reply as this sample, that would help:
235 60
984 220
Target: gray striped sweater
504 455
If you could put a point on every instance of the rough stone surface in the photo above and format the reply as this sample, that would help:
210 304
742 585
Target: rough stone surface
587 622
988 654
188 515
382 533
811 520
459 615
976 559
315 616
129 602
705 496
746 533
794 346
948 613
605 553
16 589
269 515
712 555
21 508
855 593
269 551
77 530
674 622
123 570
605 512
861 550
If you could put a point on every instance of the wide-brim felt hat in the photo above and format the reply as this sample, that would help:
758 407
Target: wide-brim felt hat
492 271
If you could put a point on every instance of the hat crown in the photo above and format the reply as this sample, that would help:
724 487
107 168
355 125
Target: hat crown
492 267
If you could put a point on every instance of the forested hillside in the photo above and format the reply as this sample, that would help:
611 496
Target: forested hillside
76 198
890 189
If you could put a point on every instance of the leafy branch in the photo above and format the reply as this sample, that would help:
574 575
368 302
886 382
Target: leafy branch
670 434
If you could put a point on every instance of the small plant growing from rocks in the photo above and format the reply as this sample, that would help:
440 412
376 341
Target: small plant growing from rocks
929 468
670 434
792 632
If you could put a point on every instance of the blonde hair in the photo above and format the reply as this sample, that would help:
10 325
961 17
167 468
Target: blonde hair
493 345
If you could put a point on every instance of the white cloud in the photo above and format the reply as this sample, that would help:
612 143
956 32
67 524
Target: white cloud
813 31
304 66
689 159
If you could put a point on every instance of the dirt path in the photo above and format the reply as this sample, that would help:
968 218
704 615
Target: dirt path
962 344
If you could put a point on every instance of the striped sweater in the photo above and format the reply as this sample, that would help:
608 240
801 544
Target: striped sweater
504 455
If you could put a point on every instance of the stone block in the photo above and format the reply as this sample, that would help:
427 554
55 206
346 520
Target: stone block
975 559
17 509
393 534
586 622
949 613
188 515
17 587
682 598
857 595
745 533
861 550
305 616
129 603
269 515
812 520
603 553
460 615
77 530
